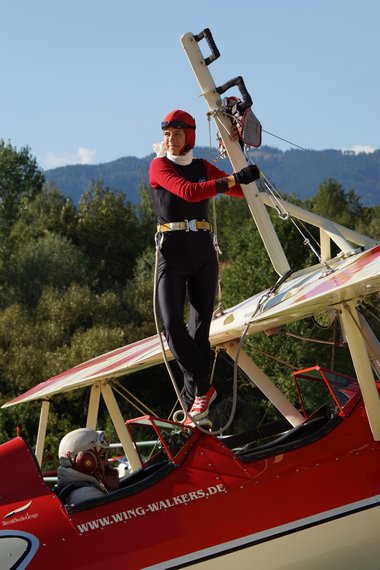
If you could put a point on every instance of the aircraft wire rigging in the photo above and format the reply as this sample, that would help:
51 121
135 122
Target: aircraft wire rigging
129 397
349 170
275 196
308 238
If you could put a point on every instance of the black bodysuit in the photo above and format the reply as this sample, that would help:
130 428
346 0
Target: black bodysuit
187 263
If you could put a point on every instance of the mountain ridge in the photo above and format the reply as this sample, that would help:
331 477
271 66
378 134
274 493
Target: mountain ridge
292 171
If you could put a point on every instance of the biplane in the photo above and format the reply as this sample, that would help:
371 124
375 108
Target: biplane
299 492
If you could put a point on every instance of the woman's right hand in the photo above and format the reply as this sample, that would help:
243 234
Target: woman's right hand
247 174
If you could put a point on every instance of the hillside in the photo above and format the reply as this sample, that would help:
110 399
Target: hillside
292 172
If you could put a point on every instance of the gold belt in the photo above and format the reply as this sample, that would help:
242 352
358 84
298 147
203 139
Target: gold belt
186 225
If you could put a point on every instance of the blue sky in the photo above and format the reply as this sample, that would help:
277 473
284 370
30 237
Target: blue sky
88 81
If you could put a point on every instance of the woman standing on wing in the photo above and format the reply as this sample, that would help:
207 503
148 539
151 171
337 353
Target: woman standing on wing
187 261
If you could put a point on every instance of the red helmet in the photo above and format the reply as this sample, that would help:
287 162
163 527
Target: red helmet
181 120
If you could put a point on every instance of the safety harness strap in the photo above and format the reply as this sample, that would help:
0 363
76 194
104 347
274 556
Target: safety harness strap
186 225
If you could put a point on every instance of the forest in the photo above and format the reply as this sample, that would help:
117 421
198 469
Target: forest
76 281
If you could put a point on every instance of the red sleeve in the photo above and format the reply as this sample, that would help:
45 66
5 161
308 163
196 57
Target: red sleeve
163 174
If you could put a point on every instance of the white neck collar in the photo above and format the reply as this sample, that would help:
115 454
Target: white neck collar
183 159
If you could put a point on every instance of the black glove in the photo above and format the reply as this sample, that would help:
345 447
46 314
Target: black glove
248 174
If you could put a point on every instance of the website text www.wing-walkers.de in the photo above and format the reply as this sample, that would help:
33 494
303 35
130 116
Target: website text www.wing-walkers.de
164 504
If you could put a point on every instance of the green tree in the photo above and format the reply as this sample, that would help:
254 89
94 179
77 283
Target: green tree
245 265
146 216
110 234
21 180
227 217
333 202
49 260
50 211
369 224
138 297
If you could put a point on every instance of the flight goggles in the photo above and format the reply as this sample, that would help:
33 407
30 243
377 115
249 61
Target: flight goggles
102 441
176 125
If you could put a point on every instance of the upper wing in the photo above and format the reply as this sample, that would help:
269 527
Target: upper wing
300 297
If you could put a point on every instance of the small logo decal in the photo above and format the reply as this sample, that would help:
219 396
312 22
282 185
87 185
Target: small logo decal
19 510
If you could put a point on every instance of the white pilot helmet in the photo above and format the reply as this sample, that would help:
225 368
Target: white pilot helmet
82 439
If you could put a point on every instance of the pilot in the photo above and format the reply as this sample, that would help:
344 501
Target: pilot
84 472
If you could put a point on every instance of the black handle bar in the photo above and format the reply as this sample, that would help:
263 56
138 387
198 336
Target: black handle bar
206 34
239 83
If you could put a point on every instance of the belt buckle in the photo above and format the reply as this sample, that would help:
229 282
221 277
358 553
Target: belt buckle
191 225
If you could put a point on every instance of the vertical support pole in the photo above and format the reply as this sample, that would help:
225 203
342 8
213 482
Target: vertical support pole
325 245
42 430
236 155
93 406
121 428
373 344
362 364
